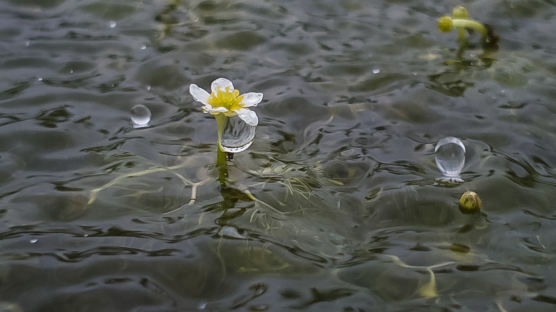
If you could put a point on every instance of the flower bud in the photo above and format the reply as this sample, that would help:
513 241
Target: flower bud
460 12
445 24
469 202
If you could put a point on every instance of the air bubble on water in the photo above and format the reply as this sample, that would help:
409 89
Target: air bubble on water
143 47
450 158
140 116
33 241
237 135
376 71
39 78
112 24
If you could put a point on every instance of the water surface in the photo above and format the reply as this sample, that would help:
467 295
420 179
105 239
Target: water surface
334 207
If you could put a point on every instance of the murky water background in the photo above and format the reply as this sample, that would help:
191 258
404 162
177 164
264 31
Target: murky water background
335 206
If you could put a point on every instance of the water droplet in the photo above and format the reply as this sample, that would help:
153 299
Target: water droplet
33 241
376 71
450 157
140 116
112 24
237 136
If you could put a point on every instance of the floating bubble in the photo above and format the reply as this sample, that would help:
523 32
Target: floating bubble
376 71
140 116
237 136
33 241
450 158
39 78
112 24
143 47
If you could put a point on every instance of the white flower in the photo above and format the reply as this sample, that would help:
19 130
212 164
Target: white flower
224 99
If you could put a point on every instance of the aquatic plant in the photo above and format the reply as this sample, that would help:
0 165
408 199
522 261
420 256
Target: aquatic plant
461 21
427 290
225 101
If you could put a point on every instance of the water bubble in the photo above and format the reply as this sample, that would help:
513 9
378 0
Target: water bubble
450 158
143 47
237 136
33 241
140 116
148 88
376 71
112 24
39 78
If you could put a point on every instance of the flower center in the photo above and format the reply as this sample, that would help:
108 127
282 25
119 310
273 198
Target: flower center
229 99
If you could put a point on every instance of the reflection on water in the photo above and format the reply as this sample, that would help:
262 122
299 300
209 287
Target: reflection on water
334 206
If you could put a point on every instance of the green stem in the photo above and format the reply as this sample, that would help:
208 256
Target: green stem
221 162
471 24
461 34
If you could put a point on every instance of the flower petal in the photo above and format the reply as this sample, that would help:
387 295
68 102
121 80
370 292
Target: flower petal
198 94
221 84
251 99
249 116
215 110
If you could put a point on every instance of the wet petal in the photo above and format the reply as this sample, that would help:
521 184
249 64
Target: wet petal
251 99
221 84
198 94
249 116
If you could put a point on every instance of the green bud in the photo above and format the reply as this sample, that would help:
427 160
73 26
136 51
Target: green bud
469 202
445 24
460 12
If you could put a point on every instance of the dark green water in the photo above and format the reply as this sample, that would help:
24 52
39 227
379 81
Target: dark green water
98 216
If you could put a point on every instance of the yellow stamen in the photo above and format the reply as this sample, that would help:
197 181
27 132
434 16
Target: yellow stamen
229 99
